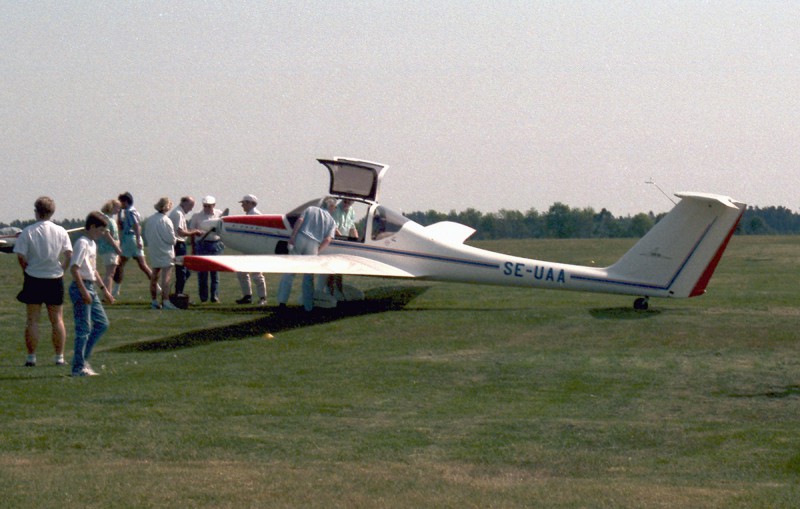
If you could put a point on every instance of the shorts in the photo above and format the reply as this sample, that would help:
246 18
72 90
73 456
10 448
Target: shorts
106 259
161 259
42 291
129 247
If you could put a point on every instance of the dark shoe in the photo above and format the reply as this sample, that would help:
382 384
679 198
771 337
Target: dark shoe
247 299
30 364
214 300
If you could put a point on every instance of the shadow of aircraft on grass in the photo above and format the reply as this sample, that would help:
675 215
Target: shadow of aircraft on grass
623 313
775 393
378 300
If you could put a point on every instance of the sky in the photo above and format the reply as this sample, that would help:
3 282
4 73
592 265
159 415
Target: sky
487 105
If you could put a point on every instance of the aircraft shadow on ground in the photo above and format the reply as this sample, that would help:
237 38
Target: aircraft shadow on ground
623 313
777 393
378 300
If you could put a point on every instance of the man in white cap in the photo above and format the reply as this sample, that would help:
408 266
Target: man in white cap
249 203
207 244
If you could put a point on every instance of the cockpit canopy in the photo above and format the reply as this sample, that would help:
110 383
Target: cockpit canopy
354 178
357 182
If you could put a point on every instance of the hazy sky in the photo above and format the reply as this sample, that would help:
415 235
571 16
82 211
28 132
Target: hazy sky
517 104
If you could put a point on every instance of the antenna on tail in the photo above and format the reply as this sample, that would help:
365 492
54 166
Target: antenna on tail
652 182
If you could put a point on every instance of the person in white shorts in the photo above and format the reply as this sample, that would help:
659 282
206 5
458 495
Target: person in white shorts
160 236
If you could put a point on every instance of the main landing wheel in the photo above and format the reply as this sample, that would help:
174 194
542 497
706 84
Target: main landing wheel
641 304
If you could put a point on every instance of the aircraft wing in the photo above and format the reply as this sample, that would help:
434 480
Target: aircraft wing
294 264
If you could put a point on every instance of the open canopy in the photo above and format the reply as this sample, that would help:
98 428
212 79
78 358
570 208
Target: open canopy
354 178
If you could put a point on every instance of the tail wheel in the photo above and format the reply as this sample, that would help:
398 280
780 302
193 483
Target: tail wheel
641 304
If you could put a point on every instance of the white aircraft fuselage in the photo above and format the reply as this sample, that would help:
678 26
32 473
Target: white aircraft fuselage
675 259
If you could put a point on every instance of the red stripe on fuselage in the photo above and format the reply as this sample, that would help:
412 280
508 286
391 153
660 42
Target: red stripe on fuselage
264 221
702 283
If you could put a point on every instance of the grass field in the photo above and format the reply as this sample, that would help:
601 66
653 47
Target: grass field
463 396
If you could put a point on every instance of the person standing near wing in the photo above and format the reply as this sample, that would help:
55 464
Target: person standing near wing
312 233
249 203
160 235
345 218
208 244
182 234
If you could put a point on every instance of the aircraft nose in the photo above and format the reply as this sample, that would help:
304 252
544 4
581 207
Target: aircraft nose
210 224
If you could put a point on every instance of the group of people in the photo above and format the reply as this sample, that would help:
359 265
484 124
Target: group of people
45 252
168 233
110 238
114 235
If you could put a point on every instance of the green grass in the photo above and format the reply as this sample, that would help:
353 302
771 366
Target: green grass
467 396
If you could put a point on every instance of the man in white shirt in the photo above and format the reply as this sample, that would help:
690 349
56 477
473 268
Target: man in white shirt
210 245
249 203
43 250
182 234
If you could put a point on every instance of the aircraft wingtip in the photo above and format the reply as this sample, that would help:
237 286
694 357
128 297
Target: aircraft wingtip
204 264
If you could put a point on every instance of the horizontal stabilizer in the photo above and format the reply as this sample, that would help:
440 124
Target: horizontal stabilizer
293 264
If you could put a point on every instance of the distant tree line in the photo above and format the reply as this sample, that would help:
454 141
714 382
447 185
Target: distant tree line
66 223
564 222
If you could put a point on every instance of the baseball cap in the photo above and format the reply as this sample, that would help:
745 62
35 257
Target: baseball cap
209 200
249 197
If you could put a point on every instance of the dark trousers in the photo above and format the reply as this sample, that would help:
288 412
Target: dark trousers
181 272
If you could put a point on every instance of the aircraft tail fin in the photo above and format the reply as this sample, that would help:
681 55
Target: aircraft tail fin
678 256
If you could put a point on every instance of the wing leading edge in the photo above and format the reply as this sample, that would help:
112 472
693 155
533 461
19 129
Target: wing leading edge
293 264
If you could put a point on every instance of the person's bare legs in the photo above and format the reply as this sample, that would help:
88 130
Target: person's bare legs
143 265
108 278
56 315
120 272
32 327
154 273
166 281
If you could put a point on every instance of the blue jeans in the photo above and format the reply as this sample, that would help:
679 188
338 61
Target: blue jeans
303 246
212 248
90 324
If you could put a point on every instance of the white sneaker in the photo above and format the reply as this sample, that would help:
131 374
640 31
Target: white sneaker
169 305
262 302
86 371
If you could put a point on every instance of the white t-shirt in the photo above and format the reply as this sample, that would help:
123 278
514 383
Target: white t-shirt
85 257
197 219
42 244
178 218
